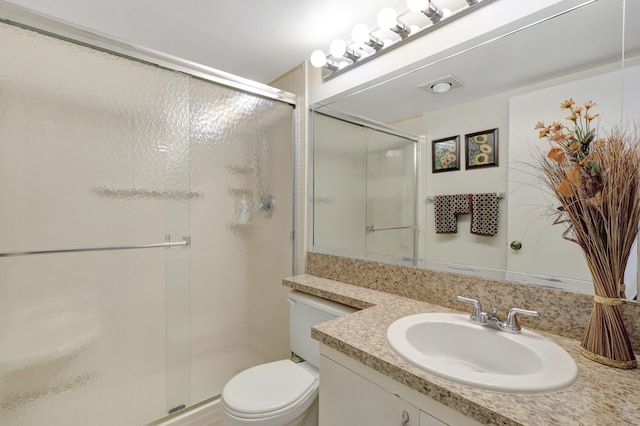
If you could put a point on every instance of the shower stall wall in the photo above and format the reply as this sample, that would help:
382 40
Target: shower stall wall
145 224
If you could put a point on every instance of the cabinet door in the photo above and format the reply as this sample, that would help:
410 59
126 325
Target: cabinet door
429 420
347 399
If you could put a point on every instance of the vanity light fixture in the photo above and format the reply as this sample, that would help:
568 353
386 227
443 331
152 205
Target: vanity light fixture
393 29
339 49
388 20
361 35
427 8
319 60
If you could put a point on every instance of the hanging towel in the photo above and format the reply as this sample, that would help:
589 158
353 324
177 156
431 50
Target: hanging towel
484 214
446 208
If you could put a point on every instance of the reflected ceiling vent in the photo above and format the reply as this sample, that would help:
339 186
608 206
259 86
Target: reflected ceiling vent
442 84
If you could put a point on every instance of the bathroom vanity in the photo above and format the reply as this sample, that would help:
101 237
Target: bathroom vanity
353 394
364 382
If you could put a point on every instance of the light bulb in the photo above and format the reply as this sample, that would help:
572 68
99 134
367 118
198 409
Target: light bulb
414 29
387 18
318 59
360 34
446 13
441 87
417 5
338 48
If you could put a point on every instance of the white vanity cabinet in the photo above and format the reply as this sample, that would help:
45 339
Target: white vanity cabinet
347 399
353 394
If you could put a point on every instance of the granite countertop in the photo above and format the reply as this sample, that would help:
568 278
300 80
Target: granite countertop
601 396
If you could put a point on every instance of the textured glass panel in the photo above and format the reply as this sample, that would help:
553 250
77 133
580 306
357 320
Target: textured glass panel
241 161
339 184
363 179
93 153
177 226
83 339
98 150
391 194
396 242
86 129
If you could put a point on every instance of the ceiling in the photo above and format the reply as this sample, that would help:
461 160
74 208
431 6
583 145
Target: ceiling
255 39
261 40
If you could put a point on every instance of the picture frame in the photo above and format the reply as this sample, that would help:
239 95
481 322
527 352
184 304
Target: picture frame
445 154
481 149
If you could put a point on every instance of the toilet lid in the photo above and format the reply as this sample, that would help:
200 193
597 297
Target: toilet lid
268 387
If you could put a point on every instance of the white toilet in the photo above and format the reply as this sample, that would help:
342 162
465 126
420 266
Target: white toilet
283 393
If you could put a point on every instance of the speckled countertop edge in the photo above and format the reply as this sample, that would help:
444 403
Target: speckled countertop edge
601 396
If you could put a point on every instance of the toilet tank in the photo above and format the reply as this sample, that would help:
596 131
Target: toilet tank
305 311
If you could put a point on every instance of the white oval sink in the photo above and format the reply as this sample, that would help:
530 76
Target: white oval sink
450 346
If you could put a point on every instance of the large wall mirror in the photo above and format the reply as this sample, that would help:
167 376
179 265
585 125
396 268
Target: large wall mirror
503 84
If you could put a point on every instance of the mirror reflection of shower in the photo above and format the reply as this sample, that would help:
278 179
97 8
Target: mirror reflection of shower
364 188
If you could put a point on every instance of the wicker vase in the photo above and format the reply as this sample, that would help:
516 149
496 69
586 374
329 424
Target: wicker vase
605 339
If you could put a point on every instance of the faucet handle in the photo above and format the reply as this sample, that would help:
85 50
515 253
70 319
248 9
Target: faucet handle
477 316
511 322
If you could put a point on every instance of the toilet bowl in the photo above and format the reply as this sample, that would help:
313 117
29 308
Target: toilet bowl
275 394
284 392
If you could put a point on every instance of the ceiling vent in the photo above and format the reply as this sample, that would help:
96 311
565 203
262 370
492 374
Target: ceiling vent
442 84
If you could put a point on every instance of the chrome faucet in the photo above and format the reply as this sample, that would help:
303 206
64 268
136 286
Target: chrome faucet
510 324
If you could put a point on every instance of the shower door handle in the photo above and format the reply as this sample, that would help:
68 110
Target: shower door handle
371 229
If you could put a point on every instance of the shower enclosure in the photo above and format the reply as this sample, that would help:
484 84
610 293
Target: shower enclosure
364 184
146 217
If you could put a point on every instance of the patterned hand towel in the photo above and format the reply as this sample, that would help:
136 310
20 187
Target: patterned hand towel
484 214
446 208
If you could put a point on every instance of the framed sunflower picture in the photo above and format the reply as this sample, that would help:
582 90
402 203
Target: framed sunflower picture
482 149
445 154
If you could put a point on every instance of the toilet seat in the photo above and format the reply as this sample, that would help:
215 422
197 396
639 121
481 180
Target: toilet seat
269 390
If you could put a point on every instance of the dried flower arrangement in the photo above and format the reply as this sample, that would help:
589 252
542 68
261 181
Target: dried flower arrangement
597 182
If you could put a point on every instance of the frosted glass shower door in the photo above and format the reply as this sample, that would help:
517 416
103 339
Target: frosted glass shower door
242 161
93 153
391 194
339 185
364 183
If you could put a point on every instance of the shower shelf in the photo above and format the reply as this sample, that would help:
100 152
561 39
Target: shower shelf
240 170
122 193
240 192
42 334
